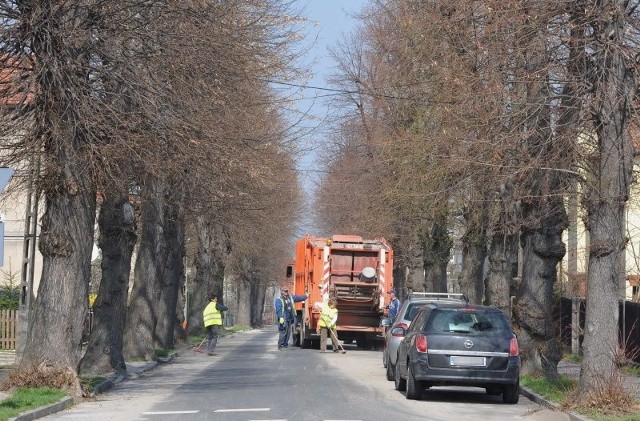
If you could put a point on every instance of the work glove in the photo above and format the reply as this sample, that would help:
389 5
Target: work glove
281 320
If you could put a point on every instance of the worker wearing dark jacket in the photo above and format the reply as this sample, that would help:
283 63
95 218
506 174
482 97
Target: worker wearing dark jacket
286 315
212 316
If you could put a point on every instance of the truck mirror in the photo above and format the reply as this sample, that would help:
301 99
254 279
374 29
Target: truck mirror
289 271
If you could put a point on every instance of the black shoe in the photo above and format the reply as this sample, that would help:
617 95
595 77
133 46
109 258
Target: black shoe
335 350
211 353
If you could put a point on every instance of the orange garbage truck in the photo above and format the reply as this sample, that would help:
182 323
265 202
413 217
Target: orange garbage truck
357 273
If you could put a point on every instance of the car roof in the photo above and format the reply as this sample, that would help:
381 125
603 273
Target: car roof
436 296
451 305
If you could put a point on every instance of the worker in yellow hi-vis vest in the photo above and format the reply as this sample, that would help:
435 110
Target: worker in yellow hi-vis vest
212 316
327 325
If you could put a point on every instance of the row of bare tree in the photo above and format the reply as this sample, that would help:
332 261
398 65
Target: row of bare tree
152 120
478 120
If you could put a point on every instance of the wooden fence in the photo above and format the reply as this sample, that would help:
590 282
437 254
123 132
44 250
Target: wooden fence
8 324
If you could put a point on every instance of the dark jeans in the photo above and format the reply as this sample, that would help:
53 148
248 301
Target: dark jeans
212 332
284 331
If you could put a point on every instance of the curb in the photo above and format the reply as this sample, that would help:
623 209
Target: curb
101 387
43 411
110 383
540 400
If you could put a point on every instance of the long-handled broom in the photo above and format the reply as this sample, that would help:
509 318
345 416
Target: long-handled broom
336 338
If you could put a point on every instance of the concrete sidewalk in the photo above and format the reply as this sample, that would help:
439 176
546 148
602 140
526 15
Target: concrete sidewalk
134 370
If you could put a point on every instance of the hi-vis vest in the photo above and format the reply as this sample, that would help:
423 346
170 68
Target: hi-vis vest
326 316
211 315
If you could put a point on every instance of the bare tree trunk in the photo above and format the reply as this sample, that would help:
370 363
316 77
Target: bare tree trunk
543 249
614 90
437 249
67 230
201 285
66 242
474 254
414 267
503 268
244 301
173 277
211 256
117 240
142 313
258 293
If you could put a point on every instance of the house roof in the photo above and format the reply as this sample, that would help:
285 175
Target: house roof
14 81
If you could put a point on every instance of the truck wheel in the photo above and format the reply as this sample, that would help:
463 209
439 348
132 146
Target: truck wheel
362 343
304 341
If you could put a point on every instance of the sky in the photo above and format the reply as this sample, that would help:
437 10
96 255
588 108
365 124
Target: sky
329 20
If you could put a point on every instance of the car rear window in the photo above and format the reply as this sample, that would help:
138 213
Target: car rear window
492 323
412 310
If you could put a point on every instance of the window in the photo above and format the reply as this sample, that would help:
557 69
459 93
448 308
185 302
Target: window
486 323
420 317
412 310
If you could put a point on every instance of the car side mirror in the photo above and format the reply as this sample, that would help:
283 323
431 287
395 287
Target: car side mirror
398 331
386 322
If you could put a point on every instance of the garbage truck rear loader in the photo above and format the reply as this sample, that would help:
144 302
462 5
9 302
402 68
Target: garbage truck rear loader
356 272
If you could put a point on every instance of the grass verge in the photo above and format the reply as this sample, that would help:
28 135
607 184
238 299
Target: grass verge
561 392
91 382
554 390
162 352
25 399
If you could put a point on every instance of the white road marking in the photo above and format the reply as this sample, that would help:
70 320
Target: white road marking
169 412
244 410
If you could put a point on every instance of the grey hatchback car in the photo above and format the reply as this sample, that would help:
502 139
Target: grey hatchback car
452 344
406 313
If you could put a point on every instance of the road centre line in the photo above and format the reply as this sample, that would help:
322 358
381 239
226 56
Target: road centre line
243 410
170 412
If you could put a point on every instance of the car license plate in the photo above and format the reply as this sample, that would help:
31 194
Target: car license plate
462 361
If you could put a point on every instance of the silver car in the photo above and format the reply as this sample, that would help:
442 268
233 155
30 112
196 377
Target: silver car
397 328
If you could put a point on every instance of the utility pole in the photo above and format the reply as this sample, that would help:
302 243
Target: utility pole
28 261
572 270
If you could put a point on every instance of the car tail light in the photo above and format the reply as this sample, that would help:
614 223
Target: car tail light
514 349
399 333
421 343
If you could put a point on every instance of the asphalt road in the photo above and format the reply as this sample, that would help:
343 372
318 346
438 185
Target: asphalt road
250 379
